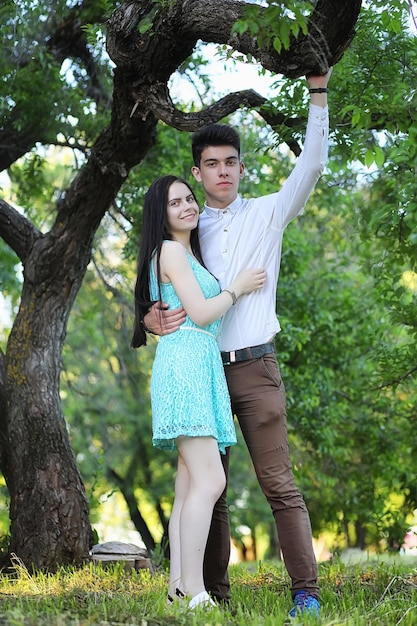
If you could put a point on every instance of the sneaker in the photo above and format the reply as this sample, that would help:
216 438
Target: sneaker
304 603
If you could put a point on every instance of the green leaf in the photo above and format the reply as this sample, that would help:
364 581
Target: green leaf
379 156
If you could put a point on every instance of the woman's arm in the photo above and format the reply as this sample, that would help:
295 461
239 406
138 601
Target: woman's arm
176 268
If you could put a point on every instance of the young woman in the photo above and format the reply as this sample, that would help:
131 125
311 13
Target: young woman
190 401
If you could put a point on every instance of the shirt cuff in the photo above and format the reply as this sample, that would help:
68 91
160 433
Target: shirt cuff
319 111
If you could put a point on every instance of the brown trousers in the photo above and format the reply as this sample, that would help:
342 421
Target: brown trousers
258 400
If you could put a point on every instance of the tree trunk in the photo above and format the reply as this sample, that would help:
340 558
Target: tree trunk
360 532
48 510
274 551
48 507
127 490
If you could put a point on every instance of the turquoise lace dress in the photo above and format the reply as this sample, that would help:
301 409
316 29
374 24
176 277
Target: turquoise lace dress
188 387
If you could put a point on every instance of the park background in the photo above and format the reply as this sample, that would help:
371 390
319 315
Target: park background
346 299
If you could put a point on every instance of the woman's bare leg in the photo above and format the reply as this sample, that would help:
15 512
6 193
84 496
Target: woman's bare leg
181 490
206 481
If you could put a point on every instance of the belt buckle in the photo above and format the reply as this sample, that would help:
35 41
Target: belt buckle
232 356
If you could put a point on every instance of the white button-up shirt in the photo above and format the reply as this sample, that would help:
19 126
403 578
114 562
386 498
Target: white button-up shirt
248 233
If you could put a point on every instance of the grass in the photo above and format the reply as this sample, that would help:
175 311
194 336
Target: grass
375 592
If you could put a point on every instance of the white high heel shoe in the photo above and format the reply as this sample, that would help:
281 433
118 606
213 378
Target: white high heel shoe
201 599
178 594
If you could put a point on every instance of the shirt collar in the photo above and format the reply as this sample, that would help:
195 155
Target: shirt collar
233 208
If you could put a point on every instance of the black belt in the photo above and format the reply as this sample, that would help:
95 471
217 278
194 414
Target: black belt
245 354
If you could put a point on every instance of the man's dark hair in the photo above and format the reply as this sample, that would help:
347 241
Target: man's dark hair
214 135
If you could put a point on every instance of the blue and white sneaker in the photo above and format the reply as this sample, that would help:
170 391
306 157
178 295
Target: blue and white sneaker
304 604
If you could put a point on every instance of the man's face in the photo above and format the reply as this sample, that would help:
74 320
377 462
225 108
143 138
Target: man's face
220 173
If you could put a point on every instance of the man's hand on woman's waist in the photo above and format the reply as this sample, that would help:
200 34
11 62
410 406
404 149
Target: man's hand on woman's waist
160 320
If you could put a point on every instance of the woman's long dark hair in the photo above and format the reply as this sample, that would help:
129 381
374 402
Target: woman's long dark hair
154 232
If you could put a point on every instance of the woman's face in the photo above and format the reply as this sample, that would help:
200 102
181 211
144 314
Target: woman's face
182 209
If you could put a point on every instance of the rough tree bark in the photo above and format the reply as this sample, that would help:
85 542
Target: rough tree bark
48 508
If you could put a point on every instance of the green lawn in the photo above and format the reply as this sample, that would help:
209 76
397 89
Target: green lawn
378 592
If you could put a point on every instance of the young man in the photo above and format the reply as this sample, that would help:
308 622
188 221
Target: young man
236 233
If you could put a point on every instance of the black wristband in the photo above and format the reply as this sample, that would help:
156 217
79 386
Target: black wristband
319 90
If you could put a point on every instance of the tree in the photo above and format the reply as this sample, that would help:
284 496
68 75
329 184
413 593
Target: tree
147 42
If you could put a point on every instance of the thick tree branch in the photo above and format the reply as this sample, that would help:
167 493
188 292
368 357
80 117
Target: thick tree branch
182 24
15 141
144 66
69 40
158 99
17 231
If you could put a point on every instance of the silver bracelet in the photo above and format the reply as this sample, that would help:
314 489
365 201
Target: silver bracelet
233 295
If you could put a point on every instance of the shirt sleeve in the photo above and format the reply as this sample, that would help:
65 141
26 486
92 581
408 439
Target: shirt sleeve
296 190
